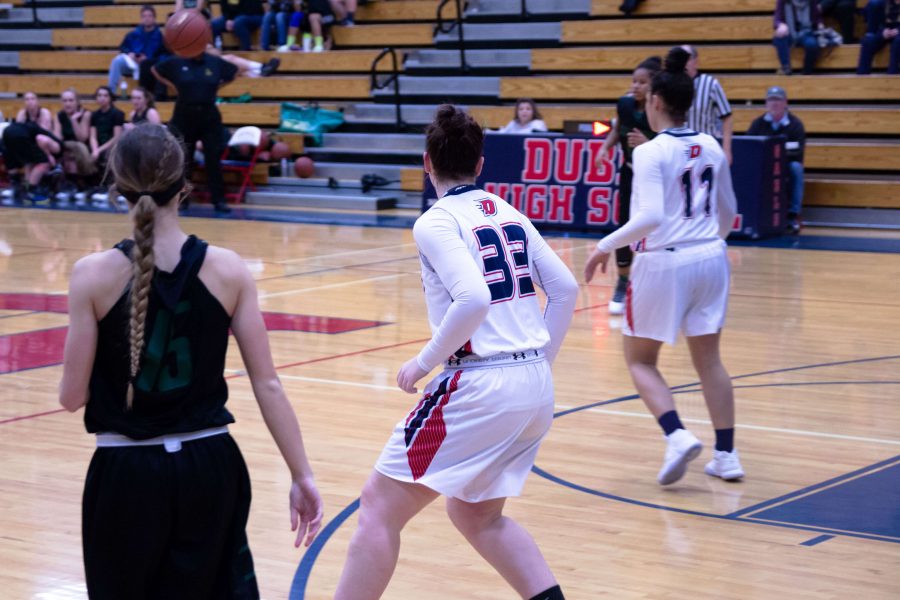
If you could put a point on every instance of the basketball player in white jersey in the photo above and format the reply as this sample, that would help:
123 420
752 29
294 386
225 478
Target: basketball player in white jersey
474 433
682 208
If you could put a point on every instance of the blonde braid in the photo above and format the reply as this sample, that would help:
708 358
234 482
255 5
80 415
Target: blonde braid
144 212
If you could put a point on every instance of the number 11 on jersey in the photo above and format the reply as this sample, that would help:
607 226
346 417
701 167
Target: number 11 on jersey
706 188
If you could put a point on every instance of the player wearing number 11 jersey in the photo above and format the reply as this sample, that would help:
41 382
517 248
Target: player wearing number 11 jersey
682 208
475 431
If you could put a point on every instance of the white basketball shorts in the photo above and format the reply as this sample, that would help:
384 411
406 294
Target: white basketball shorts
679 289
475 432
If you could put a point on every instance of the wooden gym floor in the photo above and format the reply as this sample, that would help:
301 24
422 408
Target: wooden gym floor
811 339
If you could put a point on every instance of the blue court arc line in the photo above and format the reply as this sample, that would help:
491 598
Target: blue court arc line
817 540
304 569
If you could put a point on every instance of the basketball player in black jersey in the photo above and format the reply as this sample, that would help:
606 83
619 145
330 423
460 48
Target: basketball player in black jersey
167 492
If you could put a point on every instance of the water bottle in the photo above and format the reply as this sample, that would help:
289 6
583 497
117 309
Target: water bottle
284 167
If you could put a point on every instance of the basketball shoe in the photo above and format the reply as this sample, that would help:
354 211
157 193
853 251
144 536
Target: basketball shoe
681 448
724 464
617 304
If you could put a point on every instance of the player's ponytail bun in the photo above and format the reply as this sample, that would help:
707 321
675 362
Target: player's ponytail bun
673 85
454 142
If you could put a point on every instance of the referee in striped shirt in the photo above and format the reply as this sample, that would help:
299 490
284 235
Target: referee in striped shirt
710 113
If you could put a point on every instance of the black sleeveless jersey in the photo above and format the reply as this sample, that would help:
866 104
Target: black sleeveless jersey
180 386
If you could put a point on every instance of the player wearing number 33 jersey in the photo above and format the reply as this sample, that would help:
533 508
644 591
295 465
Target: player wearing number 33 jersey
470 238
474 432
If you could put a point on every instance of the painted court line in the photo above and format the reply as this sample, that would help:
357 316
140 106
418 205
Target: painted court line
348 253
817 540
370 386
803 432
330 286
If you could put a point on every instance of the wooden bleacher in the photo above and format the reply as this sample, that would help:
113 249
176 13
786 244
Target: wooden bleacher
849 118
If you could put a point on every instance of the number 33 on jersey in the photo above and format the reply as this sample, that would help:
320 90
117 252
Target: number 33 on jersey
470 238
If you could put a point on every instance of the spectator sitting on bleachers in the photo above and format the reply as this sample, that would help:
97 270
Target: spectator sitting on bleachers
779 121
796 22
143 43
144 110
242 17
882 28
278 17
344 11
316 26
73 121
106 125
845 13
710 111
526 118
33 112
72 125
30 149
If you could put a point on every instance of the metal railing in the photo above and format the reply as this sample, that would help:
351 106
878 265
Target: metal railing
457 24
393 78
34 13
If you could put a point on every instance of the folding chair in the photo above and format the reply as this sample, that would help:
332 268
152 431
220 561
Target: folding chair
244 136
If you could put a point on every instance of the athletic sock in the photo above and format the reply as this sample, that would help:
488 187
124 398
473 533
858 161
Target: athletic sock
725 439
318 40
291 40
255 67
554 593
670 422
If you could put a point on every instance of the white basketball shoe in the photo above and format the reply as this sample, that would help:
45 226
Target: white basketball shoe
681 448
724 464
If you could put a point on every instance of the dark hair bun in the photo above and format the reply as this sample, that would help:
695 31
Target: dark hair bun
454 141
677 60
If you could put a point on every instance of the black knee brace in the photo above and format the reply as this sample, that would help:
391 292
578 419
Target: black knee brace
554 593
624 257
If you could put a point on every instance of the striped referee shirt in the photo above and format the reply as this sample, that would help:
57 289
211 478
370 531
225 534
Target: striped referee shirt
710 106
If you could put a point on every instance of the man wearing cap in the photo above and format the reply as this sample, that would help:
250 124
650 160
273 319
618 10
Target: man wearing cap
710 111
779 121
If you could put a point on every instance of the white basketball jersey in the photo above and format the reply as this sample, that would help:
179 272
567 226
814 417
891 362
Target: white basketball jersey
505 247
690 171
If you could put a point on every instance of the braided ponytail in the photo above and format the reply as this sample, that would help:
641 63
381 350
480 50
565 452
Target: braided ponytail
147 166
144 212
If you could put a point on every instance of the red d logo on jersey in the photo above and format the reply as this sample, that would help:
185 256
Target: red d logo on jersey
488 207
695 151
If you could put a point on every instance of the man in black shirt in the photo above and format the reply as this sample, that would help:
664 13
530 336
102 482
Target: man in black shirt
196 117
779 121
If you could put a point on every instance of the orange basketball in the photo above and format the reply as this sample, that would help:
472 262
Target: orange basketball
187 33
304 167
280 150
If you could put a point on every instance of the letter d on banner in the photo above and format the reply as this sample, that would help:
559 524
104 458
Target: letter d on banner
538 160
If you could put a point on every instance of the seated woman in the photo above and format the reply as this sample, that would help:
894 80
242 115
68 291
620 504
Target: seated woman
144 109
72 125
526 118
106 124
30 150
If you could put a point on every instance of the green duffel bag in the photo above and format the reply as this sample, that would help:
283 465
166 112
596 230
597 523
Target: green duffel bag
309 120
